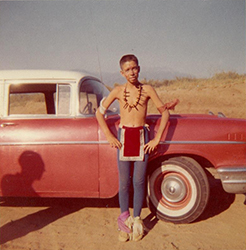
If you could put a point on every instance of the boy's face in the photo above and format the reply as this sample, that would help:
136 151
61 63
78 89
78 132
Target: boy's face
130 70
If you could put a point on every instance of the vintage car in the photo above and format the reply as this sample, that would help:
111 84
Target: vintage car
52 146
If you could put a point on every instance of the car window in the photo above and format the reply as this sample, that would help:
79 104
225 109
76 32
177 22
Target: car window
25 103
90 96
39 99
88 103
63 101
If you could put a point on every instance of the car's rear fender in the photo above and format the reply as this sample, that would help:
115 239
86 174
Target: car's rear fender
233 179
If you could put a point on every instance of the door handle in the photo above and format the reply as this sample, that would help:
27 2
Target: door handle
3 125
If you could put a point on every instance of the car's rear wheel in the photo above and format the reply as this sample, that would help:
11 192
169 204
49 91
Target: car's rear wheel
178 190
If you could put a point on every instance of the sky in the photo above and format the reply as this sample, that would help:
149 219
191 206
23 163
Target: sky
193 37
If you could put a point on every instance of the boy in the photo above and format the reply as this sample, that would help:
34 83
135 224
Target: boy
132 143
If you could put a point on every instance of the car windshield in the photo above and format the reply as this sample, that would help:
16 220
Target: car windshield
90 95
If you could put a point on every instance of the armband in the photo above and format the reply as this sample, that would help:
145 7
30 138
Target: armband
170 105
162 108
102 109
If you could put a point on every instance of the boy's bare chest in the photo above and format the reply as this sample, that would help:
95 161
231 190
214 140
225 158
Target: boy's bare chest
133 99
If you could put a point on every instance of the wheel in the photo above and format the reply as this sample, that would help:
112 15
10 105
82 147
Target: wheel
178 190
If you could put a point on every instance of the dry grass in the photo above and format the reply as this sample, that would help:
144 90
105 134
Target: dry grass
224 92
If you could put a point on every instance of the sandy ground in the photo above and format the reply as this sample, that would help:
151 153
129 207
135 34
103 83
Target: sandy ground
71 224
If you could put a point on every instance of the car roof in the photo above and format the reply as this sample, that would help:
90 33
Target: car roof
40 74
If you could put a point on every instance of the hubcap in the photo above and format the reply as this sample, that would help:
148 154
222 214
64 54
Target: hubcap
173 188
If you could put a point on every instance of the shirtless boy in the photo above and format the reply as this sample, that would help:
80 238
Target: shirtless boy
132 143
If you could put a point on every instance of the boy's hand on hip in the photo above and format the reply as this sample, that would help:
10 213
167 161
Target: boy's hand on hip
114 142
150 146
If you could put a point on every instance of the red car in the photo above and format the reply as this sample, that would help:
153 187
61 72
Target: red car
52 146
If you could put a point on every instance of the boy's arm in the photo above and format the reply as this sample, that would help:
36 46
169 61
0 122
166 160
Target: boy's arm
151 145
101 120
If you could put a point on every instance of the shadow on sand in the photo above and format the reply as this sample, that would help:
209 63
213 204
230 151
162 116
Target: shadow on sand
57 208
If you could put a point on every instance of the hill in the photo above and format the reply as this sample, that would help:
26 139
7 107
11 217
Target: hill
224 92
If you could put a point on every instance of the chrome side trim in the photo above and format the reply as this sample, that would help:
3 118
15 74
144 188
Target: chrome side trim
54 143
105 142
203 142
232 170
234 181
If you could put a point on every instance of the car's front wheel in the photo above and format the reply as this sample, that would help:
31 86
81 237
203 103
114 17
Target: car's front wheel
178 190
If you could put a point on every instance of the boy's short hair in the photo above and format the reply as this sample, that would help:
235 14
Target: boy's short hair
127 58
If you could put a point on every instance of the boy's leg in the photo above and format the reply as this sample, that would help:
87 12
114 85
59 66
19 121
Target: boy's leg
124 168
139 195
125 221
139 177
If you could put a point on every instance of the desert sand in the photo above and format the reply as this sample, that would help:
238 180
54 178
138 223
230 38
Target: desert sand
76 224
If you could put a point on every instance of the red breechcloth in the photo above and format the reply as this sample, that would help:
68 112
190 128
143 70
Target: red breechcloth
132 139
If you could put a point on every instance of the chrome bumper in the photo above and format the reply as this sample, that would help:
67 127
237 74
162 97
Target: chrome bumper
233 179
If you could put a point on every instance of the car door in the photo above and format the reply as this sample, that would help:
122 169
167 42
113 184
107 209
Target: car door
44 150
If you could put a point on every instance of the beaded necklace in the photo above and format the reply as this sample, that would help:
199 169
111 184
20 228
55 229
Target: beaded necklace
137 102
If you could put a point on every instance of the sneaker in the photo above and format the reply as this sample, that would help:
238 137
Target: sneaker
124 236
138 229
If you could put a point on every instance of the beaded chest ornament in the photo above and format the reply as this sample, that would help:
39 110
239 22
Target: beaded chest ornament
136 103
